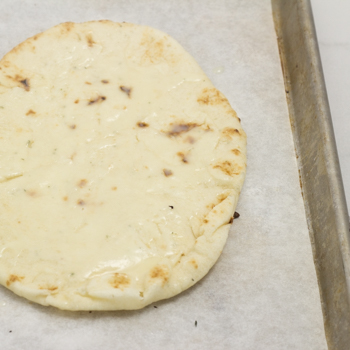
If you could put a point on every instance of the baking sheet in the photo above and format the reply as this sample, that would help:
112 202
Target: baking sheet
262 293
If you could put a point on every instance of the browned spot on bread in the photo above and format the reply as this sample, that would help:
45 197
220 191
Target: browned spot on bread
67 27
32 193
228 168
190 139
88 83
14 278
82 183
183 157
167 172
97 99
30 112
237 152
80 202
229 132
104 81
221 197
160 272
205 221
114 188
73 126
50 288
142 125
178 129
153 49
65 198
90 40
73 156
194 263
212 97
76 101
24 82
119 280
126 89
231 221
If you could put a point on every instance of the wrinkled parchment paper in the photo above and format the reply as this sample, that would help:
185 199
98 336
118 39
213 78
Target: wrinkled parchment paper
262 293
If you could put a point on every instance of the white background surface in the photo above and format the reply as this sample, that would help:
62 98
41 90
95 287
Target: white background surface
332 20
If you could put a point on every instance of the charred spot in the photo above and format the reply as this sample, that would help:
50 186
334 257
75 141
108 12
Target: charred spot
98 99
76 101
80 202
105 81
171 206
236 215
183 157
82 183
160 272
90 40
30 112
25 83
231 221
14 278
167 172
73 126
142 125
179 129
126 89
119 280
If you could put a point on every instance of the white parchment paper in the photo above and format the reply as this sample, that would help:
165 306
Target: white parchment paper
262 293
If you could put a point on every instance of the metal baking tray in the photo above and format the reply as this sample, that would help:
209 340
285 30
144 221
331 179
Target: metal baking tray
318 164
257 307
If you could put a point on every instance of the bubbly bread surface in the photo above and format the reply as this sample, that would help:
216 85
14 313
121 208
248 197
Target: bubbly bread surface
120 167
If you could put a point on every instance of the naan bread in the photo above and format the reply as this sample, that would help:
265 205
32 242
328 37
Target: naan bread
120 167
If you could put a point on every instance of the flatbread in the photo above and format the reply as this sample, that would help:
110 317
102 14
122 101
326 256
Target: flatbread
120 167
